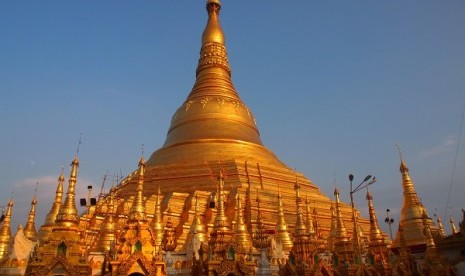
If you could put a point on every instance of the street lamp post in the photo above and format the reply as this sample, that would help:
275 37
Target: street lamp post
365 183
389 221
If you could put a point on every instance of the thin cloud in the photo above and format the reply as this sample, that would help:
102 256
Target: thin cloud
447 144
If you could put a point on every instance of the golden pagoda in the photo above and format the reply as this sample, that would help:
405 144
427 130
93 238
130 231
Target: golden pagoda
411 218
136 250
5 230
30 227
214 130
64 252
282 234
50 218
378 250
344 253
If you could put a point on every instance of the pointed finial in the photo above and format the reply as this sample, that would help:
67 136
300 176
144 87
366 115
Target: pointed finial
341 232
375 231
157 222
399 151
142 150
213 32
137 211
68 214
403 165
29 229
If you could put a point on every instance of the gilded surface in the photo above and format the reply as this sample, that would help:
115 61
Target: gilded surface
411 217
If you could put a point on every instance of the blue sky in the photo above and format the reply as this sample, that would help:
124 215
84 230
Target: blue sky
334 85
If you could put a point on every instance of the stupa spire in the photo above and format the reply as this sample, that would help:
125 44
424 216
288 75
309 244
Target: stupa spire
410 195
137 211
282 234
51 217
5 230
341 231
343 247
221 221
310 226
213 38
441 231
375 231
411 216
221 233
29 229
52 214
213 108
107 233
300 228
241 234
157 222
68 215
198 228
427 231
260 240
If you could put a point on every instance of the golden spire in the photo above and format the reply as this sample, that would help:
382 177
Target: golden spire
282 235
29 229
213 108
157 222
453 227
300 228
5 230
213 32
137 211
341 232
260 240
54 210
107 233
434 263
197 229
427 231
343 247
310 226
411 217
68 215
221 221
221 233
241 235
410 195
332 230
375 232
213 54
441 231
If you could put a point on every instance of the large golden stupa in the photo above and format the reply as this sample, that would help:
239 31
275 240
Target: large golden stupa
214 130
213 200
